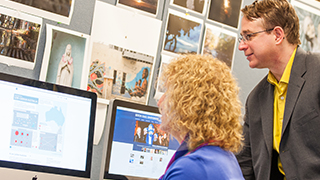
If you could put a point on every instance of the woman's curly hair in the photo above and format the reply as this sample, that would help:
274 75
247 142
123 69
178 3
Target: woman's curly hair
202 101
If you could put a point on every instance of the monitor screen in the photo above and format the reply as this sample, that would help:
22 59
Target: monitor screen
45 128
137 148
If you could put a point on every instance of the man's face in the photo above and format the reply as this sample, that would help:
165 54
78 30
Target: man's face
259 47
144 73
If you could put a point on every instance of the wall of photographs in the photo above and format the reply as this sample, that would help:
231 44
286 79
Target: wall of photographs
117 48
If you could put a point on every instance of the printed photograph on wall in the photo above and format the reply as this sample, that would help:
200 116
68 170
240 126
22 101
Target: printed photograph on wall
57 10
225 11
220 43
65 58
149 6
160 89
19 37
309 20
122 56
116 72
198 6
182 33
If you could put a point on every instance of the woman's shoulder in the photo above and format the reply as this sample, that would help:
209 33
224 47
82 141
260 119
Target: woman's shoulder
207 161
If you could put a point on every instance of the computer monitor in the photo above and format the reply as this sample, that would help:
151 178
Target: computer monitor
46 130
137 147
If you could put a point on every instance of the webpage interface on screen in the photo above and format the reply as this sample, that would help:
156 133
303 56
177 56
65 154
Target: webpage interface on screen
139 147
43 127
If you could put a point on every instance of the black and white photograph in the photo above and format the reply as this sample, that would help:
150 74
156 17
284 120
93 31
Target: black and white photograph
309 20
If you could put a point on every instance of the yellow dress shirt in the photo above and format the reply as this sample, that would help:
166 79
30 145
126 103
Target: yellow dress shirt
280 93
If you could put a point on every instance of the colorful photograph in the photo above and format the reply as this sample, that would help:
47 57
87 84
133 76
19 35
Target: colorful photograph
225 11
149 6
220 43
65 56
182 34
309 20
194 5
150 134
119 66
116 72
18 38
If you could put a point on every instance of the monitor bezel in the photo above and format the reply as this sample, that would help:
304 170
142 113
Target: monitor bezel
62 89
111 117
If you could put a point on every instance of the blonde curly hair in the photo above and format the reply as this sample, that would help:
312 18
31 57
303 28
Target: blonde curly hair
201 100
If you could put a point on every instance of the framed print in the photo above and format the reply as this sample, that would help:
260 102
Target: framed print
309 20
59 11
198 6
220 43
122 61
65 60
19 38
226 12
145 6
182 33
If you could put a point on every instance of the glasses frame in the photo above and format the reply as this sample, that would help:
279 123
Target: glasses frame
246 37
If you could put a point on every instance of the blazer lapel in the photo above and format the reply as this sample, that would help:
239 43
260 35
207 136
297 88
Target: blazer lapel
295 85
266 110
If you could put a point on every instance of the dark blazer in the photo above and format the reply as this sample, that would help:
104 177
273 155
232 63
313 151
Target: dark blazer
300 142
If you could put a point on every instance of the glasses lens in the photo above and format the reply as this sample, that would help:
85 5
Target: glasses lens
241 38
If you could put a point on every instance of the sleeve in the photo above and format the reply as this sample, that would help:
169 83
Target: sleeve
244 157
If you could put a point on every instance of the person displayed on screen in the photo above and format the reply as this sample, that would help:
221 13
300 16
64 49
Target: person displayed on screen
138 136
145 133
281 122
149 137
65 68
202 110
164 140
156 139
140 89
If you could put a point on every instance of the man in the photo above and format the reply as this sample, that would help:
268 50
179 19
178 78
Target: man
282 123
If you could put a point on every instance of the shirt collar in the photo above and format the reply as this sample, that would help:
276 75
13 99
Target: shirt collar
286 74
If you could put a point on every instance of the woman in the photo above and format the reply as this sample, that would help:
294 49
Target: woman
202 110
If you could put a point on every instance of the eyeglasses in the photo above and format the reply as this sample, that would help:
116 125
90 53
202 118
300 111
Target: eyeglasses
247 37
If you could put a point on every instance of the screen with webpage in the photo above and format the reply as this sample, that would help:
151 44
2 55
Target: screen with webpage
139 147
43 127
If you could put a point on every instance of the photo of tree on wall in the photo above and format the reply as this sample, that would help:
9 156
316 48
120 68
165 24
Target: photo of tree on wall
220 43
182 34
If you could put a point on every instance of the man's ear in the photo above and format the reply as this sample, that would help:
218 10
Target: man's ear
279 34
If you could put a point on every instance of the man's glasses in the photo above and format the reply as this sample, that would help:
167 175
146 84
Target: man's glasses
247 37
